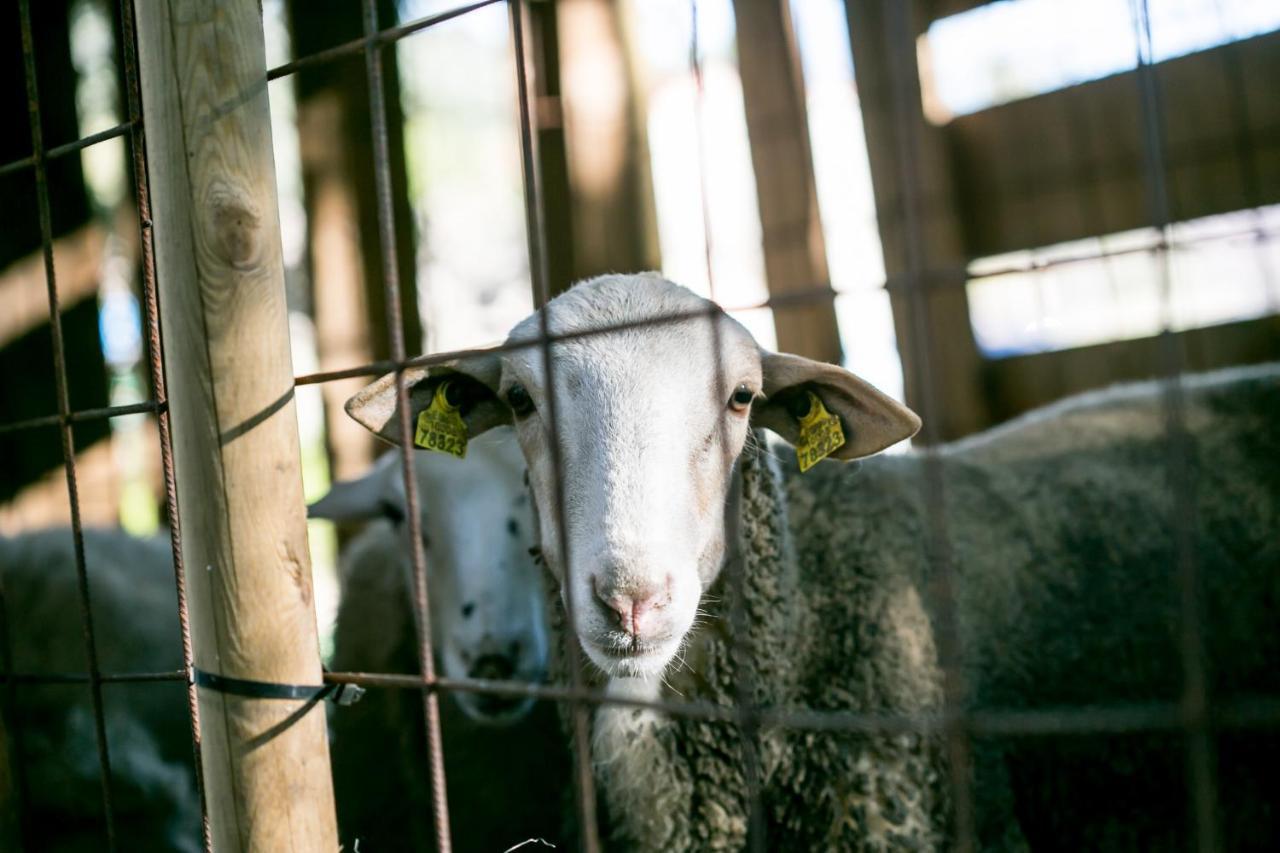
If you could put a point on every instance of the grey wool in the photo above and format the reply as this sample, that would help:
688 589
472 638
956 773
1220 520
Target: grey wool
506 784
680 783
52 737
1061 532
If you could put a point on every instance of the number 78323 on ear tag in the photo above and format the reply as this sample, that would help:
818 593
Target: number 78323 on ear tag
440 426
820 434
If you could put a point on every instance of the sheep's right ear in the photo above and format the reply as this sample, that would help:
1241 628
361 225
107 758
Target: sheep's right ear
353 500
476 381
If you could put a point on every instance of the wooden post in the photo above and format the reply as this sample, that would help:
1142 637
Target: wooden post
911 171
795 255
344 250
235 439
553 166
610 189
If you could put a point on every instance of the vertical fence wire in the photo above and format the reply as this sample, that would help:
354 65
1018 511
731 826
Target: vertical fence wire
64 411
899 35
395 335
1201 781
151 321
699 127
584 781
748 720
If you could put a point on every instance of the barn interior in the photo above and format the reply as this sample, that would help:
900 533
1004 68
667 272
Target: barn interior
980 207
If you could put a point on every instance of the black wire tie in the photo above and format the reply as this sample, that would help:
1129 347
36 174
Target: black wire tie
339 694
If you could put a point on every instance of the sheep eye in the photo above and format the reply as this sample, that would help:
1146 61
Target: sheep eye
520 401
741 399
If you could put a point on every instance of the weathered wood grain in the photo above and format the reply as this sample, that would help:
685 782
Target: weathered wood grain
230 382
920 232
610 186
795 253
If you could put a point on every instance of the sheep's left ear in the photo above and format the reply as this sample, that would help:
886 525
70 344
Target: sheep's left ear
378 494
871 420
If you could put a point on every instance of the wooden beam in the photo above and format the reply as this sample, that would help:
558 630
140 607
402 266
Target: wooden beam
920 228
931 10
795 254
610 189
543 36
1023 382
344 252
235 438
77 257
1069 164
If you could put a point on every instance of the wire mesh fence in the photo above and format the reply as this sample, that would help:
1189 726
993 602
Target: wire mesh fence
1195 715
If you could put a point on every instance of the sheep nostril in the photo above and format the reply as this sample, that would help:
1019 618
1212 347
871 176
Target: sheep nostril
611 607
634 606
493 668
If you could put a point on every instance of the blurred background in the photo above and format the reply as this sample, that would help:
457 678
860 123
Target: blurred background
747 149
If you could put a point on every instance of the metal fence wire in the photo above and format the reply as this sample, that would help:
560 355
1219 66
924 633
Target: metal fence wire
1196 715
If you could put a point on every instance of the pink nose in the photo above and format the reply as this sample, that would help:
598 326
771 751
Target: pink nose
636 608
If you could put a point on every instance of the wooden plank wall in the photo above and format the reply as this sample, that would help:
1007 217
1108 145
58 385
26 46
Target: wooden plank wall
911 176
609 189
1069 164
344 251
795 252
1048 169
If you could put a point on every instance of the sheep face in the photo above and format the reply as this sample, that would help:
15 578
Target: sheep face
487 600
487 607
645 438
652 391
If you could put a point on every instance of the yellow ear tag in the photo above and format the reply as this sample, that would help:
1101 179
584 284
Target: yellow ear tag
440 426
820 434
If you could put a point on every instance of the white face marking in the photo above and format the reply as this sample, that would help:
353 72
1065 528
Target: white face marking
487 602
487 606
647 443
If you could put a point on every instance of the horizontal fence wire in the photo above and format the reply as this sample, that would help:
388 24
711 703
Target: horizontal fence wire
1226 714
82 416
376 38
69 148
820 293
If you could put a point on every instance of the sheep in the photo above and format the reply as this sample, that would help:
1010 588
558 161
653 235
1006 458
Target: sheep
506 766
52 735
676 515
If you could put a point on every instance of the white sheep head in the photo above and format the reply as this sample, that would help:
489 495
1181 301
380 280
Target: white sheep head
488 616
651 417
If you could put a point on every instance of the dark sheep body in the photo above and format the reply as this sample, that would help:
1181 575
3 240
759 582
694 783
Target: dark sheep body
135 614
1061 535
506 784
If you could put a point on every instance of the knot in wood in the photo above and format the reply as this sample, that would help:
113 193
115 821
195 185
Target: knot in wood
237 237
